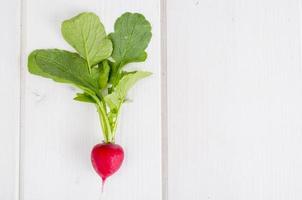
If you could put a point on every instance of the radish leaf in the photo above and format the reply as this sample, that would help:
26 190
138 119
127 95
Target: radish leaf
131 36
117 97
83 97
63 66
101 77
87 35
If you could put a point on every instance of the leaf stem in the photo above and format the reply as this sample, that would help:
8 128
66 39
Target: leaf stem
105 121
116 120
89 69
102 110
103 124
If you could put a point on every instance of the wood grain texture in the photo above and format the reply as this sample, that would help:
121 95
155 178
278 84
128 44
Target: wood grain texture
10 99
59 133
234 100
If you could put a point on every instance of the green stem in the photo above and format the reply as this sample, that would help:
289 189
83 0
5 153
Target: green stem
116 120
106 128
106 123
103 124
102 111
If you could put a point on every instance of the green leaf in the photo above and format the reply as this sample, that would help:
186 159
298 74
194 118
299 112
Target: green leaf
131 36
104 74
83 97
97 61
128 80
63 66
87 35
117 97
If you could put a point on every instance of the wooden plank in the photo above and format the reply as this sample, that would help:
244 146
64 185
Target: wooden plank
234 100
10 99
59 133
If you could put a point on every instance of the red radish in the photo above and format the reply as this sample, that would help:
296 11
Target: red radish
103 83
106 159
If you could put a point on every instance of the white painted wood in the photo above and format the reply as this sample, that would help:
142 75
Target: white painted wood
59 133
234 100
9 101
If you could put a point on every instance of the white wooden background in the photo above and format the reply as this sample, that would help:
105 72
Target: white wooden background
220 119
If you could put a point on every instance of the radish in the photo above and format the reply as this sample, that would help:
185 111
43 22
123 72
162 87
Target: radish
97 68
106 159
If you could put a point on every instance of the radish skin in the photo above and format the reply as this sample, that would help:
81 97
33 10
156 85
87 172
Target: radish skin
106 159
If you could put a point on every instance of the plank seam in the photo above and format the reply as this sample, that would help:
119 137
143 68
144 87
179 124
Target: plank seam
164 107
22 99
